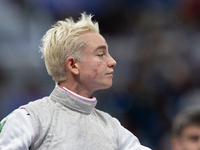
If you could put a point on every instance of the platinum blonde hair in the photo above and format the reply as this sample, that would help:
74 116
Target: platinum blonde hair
63 40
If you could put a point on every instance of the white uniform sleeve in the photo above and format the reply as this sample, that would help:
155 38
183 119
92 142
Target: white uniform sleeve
18 132
126 140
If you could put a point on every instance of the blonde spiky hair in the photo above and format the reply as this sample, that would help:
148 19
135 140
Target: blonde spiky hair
64 40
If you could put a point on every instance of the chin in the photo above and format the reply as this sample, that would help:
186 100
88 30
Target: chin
103 85
106 86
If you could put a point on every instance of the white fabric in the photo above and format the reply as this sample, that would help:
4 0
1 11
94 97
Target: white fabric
18 132
126 140
19 122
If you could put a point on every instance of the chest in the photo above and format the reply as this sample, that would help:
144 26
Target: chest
72 130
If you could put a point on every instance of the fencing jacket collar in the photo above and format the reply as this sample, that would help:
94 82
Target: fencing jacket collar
73 100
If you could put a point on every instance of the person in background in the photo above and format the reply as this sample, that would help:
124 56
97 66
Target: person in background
186 130
76 56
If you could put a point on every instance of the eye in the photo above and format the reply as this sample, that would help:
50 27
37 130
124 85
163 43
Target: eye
101 55
194 138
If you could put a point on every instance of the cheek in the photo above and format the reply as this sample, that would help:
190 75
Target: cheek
99 64
97 70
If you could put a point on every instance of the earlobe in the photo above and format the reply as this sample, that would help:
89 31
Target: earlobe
71 65
175 142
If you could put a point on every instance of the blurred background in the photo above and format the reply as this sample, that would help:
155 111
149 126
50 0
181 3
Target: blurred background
155 43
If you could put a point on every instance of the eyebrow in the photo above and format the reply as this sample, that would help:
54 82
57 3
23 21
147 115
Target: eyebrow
103 47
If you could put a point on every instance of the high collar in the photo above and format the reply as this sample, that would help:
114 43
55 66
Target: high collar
74 102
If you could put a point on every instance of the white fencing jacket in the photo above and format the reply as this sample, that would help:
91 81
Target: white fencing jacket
65 121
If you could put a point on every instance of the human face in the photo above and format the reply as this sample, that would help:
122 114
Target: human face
96 66
189 139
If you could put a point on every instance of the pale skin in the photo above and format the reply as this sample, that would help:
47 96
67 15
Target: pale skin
94 71
188 140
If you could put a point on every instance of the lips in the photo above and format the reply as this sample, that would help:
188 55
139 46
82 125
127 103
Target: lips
110 73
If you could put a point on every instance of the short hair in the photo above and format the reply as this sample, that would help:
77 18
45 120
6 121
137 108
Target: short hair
63 40
185 118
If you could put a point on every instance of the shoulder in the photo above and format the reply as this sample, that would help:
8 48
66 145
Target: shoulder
105 118
102 114
39 106
40 112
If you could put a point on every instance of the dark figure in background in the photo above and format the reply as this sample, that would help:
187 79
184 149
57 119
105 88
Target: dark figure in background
186 130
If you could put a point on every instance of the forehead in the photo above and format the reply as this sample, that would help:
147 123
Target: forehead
191 129
94 40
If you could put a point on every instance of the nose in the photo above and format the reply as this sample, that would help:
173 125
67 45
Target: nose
111 62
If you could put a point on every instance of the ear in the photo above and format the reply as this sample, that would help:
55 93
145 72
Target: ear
175 142
71 65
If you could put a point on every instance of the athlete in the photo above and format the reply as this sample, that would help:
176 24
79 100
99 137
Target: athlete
76 56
